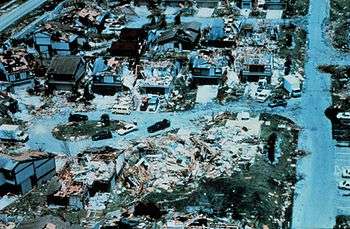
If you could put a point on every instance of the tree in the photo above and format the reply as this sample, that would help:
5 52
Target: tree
289 40
105 120
162 21
177 20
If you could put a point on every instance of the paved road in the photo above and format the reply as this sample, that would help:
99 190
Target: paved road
19 12
315 203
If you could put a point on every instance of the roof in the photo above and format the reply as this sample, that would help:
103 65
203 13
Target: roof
64 65
9 127
9 162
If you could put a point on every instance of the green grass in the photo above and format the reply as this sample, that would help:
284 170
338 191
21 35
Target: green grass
299 8
80 129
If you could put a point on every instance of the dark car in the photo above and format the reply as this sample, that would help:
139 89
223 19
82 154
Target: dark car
101 135
278 103
77 118
159 126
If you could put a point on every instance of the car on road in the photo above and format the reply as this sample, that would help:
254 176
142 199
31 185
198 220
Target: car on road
346 172
165 123
277 103
263 95
101 135
344 184
77 118
121 109
127 129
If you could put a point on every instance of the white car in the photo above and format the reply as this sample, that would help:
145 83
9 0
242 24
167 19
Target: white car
263 95
346 172
122 109
127 129
344 184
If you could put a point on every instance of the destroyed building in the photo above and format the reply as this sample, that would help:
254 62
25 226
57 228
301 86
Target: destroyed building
14 67
19 173
65 72
157 77
92 171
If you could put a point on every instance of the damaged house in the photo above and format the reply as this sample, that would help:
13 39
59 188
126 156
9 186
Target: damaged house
207 69
255 67
184 37
65 72
14 67
94 170
157 77
130 43
107 75
56 43
19 173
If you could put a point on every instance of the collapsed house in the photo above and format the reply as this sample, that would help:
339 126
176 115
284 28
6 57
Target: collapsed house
65 72
91 172
15 67
19 173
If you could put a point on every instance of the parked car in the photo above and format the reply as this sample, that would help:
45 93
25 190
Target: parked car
159 126
153 103
122 109
101 135
77 118
278 103
344 184
127 129
346 172
263 95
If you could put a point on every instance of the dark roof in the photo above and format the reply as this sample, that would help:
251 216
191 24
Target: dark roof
125 48
132 34
64 65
